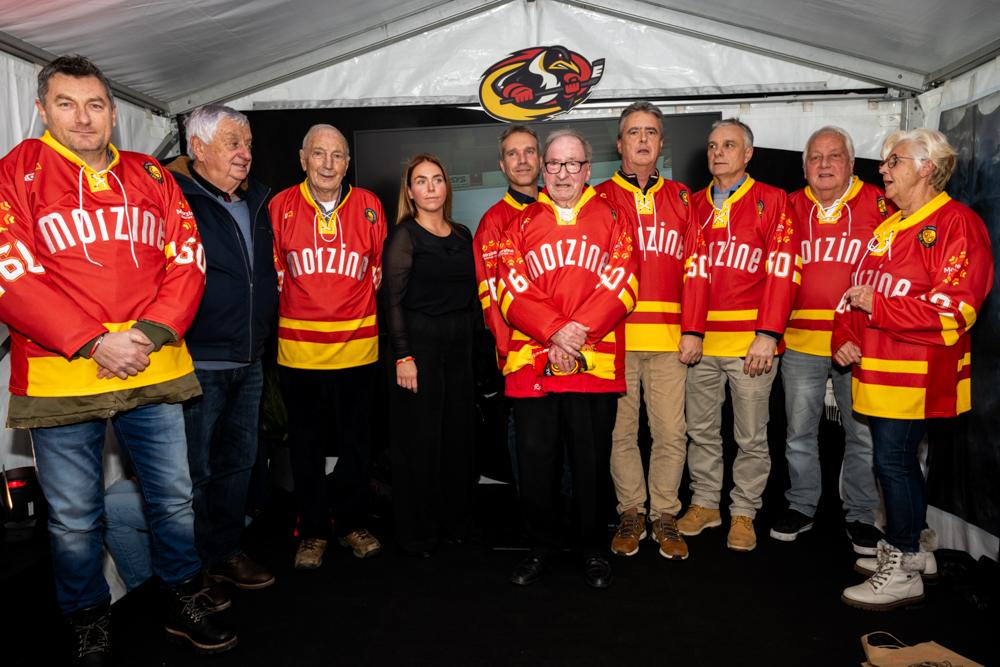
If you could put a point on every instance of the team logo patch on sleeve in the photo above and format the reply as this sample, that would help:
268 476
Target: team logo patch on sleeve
927 236
760 207
538 83
371 216
882 208
153 171
684 197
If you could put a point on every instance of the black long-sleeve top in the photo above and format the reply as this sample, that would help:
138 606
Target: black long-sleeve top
428 274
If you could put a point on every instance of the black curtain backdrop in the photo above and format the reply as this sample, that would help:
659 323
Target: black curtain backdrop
964 461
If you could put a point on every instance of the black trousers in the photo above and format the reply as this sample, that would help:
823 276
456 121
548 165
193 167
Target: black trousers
327 407
433 434
581 425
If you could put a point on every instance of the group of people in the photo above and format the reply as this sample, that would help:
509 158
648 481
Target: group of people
162 286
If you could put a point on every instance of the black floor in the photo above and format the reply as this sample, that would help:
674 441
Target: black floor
778 605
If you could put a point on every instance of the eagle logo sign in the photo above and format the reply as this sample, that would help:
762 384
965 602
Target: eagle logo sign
538 83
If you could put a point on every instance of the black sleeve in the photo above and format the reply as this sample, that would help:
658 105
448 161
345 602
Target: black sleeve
396 264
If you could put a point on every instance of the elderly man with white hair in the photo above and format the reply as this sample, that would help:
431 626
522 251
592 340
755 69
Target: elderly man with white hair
837 213
328 248
227 337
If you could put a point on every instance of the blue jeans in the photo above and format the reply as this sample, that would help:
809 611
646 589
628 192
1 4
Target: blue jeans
897 465
804 379
68 461
126 533
222 431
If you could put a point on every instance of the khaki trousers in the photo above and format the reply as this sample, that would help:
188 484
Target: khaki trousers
662 377
706 392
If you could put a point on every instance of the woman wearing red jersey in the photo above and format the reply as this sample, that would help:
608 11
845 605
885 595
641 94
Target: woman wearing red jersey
905 325
431 302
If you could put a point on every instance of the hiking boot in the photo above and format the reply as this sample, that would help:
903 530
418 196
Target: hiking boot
666 534
241 572
189 618
924 560
741 535
631 530
896 582
218 596
790 524
864 537
92 629
362 543
310 553
697 519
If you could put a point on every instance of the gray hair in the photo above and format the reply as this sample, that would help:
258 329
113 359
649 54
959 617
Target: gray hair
747 132
588 150
829 129
514 129
930 145
204 121
636 107
319 127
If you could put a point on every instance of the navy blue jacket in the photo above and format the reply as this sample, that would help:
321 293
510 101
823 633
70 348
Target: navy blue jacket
239 309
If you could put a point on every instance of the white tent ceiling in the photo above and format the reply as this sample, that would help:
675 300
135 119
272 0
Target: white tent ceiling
174 55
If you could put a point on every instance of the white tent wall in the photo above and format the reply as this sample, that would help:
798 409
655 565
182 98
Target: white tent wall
138 129
443 66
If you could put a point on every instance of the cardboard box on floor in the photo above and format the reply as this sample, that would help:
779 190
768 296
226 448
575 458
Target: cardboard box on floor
884 650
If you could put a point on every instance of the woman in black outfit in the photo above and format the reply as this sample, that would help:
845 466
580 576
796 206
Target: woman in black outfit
430 303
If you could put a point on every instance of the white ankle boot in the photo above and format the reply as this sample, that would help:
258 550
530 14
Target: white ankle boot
895 582
924 559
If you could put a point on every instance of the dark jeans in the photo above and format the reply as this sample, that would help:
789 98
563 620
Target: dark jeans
433 443
896 443
222 433
329 407
68 461
579 425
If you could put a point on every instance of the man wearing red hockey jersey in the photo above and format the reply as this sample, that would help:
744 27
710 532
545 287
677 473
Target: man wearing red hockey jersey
660 212
103 272
836 213
565 282
328 240
741 285
520 163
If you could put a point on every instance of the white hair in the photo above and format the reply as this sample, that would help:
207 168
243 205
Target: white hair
830 129
204 121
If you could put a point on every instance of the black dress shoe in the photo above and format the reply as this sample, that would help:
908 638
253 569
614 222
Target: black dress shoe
529 570
597 571
242 572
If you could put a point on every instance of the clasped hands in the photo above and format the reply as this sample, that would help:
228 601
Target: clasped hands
122 354
565 345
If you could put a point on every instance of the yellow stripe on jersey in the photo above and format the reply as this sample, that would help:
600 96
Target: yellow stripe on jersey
809 341
727 343
657 307
327 356
57 376
316 325
879 400
731 315
894 366
626 298
813 314
652 337
964 361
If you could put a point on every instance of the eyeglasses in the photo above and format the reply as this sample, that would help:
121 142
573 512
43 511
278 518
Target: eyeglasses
572 167
891 161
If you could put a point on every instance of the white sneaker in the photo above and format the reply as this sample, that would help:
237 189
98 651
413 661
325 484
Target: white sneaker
895 582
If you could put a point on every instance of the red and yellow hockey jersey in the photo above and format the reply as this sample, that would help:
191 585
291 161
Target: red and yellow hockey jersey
486 247
931 272
329 270
661 217
745 270
83 252
556 270
832 243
